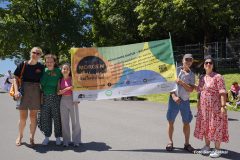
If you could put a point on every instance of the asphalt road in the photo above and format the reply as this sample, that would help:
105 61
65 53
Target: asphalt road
112 130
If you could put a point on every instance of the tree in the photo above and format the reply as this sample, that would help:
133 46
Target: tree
54 25
114 22
189 21
156 18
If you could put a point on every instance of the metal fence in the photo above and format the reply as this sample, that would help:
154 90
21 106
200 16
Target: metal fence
226 54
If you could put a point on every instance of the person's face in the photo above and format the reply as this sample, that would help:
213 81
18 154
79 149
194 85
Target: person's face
236 85
65 70
187 62
50 63
35 53
208 65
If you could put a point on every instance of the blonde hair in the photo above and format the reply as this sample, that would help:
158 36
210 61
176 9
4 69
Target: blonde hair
38 48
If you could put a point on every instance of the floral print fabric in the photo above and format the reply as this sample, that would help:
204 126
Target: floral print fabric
211 122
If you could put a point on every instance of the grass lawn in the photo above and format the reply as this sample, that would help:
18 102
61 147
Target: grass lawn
163 98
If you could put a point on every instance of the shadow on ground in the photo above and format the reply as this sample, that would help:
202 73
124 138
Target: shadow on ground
132 98
92 146
192 101
231 155
232 119
176 150
227 154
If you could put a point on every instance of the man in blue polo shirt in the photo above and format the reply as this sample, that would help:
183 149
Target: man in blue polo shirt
179 101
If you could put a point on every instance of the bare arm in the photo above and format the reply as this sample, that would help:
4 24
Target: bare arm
186 86
67 88
60 92
15 84
223 102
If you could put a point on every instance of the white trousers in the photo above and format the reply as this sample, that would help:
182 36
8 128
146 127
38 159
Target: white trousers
69 109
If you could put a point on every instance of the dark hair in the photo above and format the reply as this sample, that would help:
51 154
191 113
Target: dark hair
214 68
54 57
234 83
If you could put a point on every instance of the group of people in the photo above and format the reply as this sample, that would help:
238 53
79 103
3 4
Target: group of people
49 90
46 92
211 122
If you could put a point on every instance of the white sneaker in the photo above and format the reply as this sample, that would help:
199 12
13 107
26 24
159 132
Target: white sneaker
58 141
205 150
215 154
45 141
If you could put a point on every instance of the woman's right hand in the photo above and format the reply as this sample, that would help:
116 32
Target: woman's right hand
177 99
198 105
60 92
223 110
17 95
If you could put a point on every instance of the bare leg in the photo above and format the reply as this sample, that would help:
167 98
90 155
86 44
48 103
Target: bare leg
207 142
186 131
33 125
21 125
170 131
217 145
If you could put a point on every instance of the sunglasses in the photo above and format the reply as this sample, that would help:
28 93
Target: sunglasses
210 63
36 53
188 59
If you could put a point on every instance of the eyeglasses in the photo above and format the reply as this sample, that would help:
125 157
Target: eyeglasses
36 53
210 63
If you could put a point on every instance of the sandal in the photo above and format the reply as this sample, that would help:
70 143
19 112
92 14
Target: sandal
189 148
19 141
169 147
32 144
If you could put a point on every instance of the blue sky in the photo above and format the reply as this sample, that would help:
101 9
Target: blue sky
3 4
6 65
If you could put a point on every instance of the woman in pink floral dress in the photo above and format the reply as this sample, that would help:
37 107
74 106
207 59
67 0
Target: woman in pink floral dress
211 122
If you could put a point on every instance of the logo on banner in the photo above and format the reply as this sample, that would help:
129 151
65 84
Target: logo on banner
91 65
81 96
108 92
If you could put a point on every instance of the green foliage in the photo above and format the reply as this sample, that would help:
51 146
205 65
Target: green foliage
163 98
114 22
58 25
54 25
189 21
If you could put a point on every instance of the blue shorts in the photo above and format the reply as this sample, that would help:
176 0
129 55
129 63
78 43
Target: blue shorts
183 107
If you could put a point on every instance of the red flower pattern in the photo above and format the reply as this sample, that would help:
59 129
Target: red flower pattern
211 122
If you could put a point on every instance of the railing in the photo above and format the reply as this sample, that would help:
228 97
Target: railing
226 54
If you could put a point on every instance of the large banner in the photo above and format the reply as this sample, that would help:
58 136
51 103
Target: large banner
122 71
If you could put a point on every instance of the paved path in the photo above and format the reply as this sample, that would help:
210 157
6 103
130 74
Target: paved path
111 130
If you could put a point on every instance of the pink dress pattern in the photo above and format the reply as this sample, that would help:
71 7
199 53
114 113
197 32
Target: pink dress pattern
211 122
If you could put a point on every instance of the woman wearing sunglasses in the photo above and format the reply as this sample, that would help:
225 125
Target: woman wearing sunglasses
211 122
30 72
